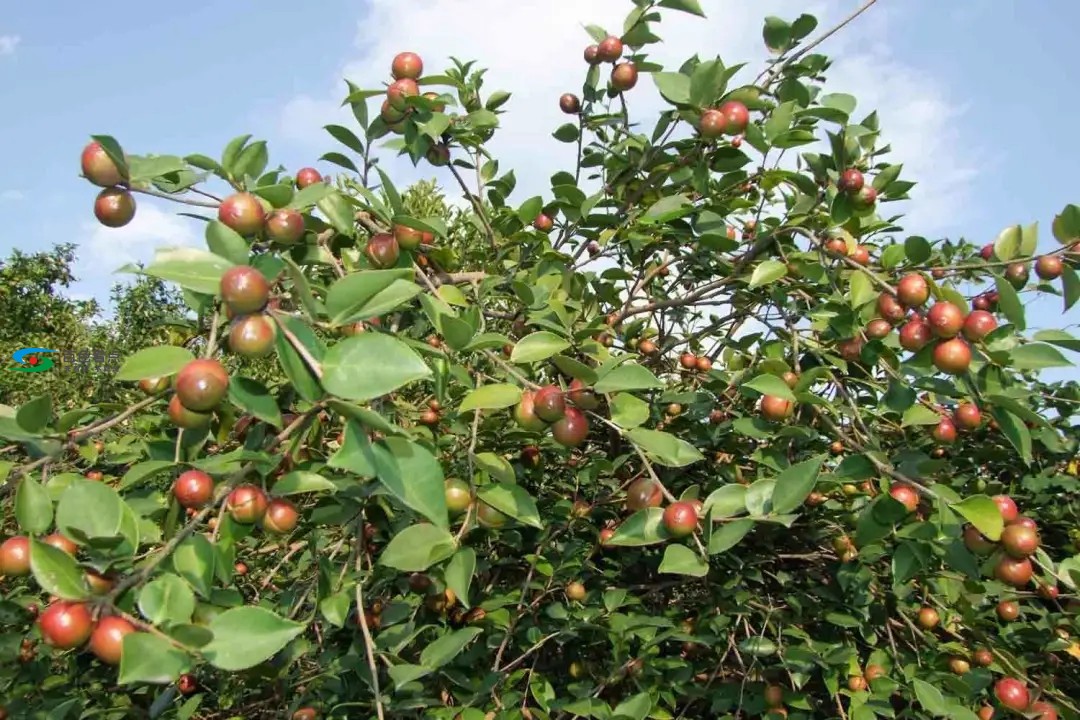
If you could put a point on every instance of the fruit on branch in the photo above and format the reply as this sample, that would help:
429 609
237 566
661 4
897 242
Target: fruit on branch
187 684
592 55
489 517
244 289
408 238
609 49
866 198
1007 507
571 429
569 103
530 455
429 417
850 349
1017 274
928 618
107 639
15 556
986 251
857 683
874 672
246 504
877 329
952 356
643 493
307 176
99 584
98 167
1043 710
281 516
382 250
624 76
65 625
399 90
959 666
647 347
736 117
688 360
582 396
1049 267
438 155
95 475
888 307
945 432
983 657
549 403
285 226
704 364
305 713
243 212
905 494
861 255
967 416
576 591
525 413
1008 610
184 418
458 495
252 336
712 124
61 542
1025 521
913 290
407 65
152 386
1013 571
776 408
979 324
1019 541
1012 694
680 518
851 181
543 223
790 379
193 489
976 542
391 115
945 319
114 207
836 246
201 385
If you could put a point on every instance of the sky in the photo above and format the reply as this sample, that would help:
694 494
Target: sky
976 97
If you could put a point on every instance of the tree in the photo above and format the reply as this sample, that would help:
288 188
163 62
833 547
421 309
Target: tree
699 433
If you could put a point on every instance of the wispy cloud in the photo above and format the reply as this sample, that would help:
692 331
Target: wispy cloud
103 250
8 43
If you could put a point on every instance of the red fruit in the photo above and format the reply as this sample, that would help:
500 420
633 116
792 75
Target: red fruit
252 336
525 413
643 493
736 117
1025 521
382 250
945 319
193 488
850 349
1048 267
1043 710
305 713
572 429
246 504
543 223
983 657
980 302
680 518
61 542
569 104
976 542
1012 693
959 666
624 76
928 618
914 335
889 308
986 712
610 49
945 432
978 325
390 115
15 556
99 584
688 360
114 207
98 167
986 251
243 212
861 255
874 672
877 328
776 408
285 226
856 683
458 496
866 197
407 65
967 416
201 384
408 238
185 418
712 124
913 290
1017 274
1007 508
952 356
244 289
186 684
399 90
307 176
281 516
549 403
704 364
836 246
489 517
152 386
1019 541
582 396
592 55
1008 610
851 181
107 639
905 495
65 625
605 535
1048 592
1012 571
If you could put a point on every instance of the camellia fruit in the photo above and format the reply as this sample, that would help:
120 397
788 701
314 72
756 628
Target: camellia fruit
281 516
201 384
458 495
945 319
592 55
247 504
185 418
915 334
905 494
1043 710
525 413
15 556
543 223
243 212
193 488
983 657
285 226
913 290
967 416
549 403
1007 507
252 336
114 207
571 429
889 308
399 90
307 176
850 349
1012 694
776 408
576 591
407 65
978 325
945 432
98 167
712 124
851 181
609 49
1017 274
976 542
928 618
61 542
861 255
736 117
878 328
1013 571
65 625
952 356
866 197
569 103
244 289
107 639
152 386
582 396
408 238
624 76
382 250
489 517
1019 541
680 518
1008 610
643 493
1049 267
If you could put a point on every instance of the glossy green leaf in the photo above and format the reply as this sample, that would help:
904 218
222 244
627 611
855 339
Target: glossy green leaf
246 636
664 448
56 572
190 268
794 484
628 411
674 87
729 534
1007 244
768 384
352 297
34 416
225 242
982 512
537 346
513 500
725 501
447 647
1009 302
369 365
154 362
644 527
418 547
33 507
491 397
628 376
147 658
1036 356
681 560
298 482
252 397
89 510
166 599
194 560
459 573
766 272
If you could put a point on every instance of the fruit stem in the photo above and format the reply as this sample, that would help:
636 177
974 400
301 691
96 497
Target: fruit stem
167 196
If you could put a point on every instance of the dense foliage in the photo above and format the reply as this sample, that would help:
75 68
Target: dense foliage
701 432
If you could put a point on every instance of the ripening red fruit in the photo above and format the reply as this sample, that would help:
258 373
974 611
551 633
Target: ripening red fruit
889 308
399 90
193 488
525 413
407 65
928 618
592 55
680 518
736 117
582 396
65 625
959 666
185 418
252 336
391 115
952 356
980 302
978 325
914 335
305 713
986 712
489 517
307 176
855 683
866 197
851 181
1012 693
382 250
1007 508
98 167
945 432
861 255
244 289
986 251
1025 521
983 657
877 328
1013 571
850 349
776 408
647 347
15 556
114 207
704 364
1008 610
945 319
643 493
836 246
1017 274
246 504
571 429
967 416
152 386
285 226
1019 541
61 542
201 384
243 212
107 639
913 290
609 49
905 495
1043 710
549 403
281 516
1049 267
712 124
543 223
688 360
569 103
458 495
976 542
624 76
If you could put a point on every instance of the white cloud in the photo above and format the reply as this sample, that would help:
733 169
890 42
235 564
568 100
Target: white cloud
11 196
918 114
103 250
8 43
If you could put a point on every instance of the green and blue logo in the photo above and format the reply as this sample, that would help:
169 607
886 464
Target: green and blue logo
30 362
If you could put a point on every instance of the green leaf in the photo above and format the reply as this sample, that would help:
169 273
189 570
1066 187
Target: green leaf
725 501
412 474
89 509
496 466
920 415
447 647
295 367
298 482
567 133
459 573
33 416
309 196
777 35
681 560
194 560
667 209
114 152
56 572
982 512
628 411
645 527
1029 239
418 547
1007 244
167 599
225 242
491 397
1066 226
246 636
574 369
664 448
147 658
768 384
794 484
338 211
674 87
628 376
1016 432
767 271
537 346
1070 286
190 268
862 290
917 249
367 366
405 673
252 397
1009 302
729 535
758 646
154 362
346 137
929 697
779 120
690 6
513 500
1036 356
141 471
530 209
352 297
33 507
707 82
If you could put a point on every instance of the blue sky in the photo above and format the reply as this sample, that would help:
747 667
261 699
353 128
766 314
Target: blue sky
976 95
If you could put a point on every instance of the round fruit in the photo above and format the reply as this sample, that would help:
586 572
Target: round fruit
572 429
592 55
1049 267
569 103
851 181
877 329
647 347
1019 541
152 386
976 542
525 413
774 696
712 124
643 493
945 319
1017 274
680 518
576 591
688 360
543 223
889 308
986 251
193 488
307 176
609 49
114 207
399 90
986 712
382 250
967 416
281 516
407 65
856 683
252 336
305 713
704 364
184 418
983 657
866 197
1024 521
978 325
913 290
243 212
489 517
959 666
246 504
549 403
952 356
285 226
1012 571
98 167
928 618
905 495
1047 591
776 408
244 289
201 384
107 639
836 246
65 625
1012 693
582 396
861 255
945 432
790 379
736 117
1043 710
408 238
850 349
15 556
874 672
390 115
458 495
99 584
1007 508
914 335
186 684
624 76
61 542
1008 610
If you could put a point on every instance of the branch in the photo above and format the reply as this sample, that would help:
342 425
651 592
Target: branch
167 196
369 643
